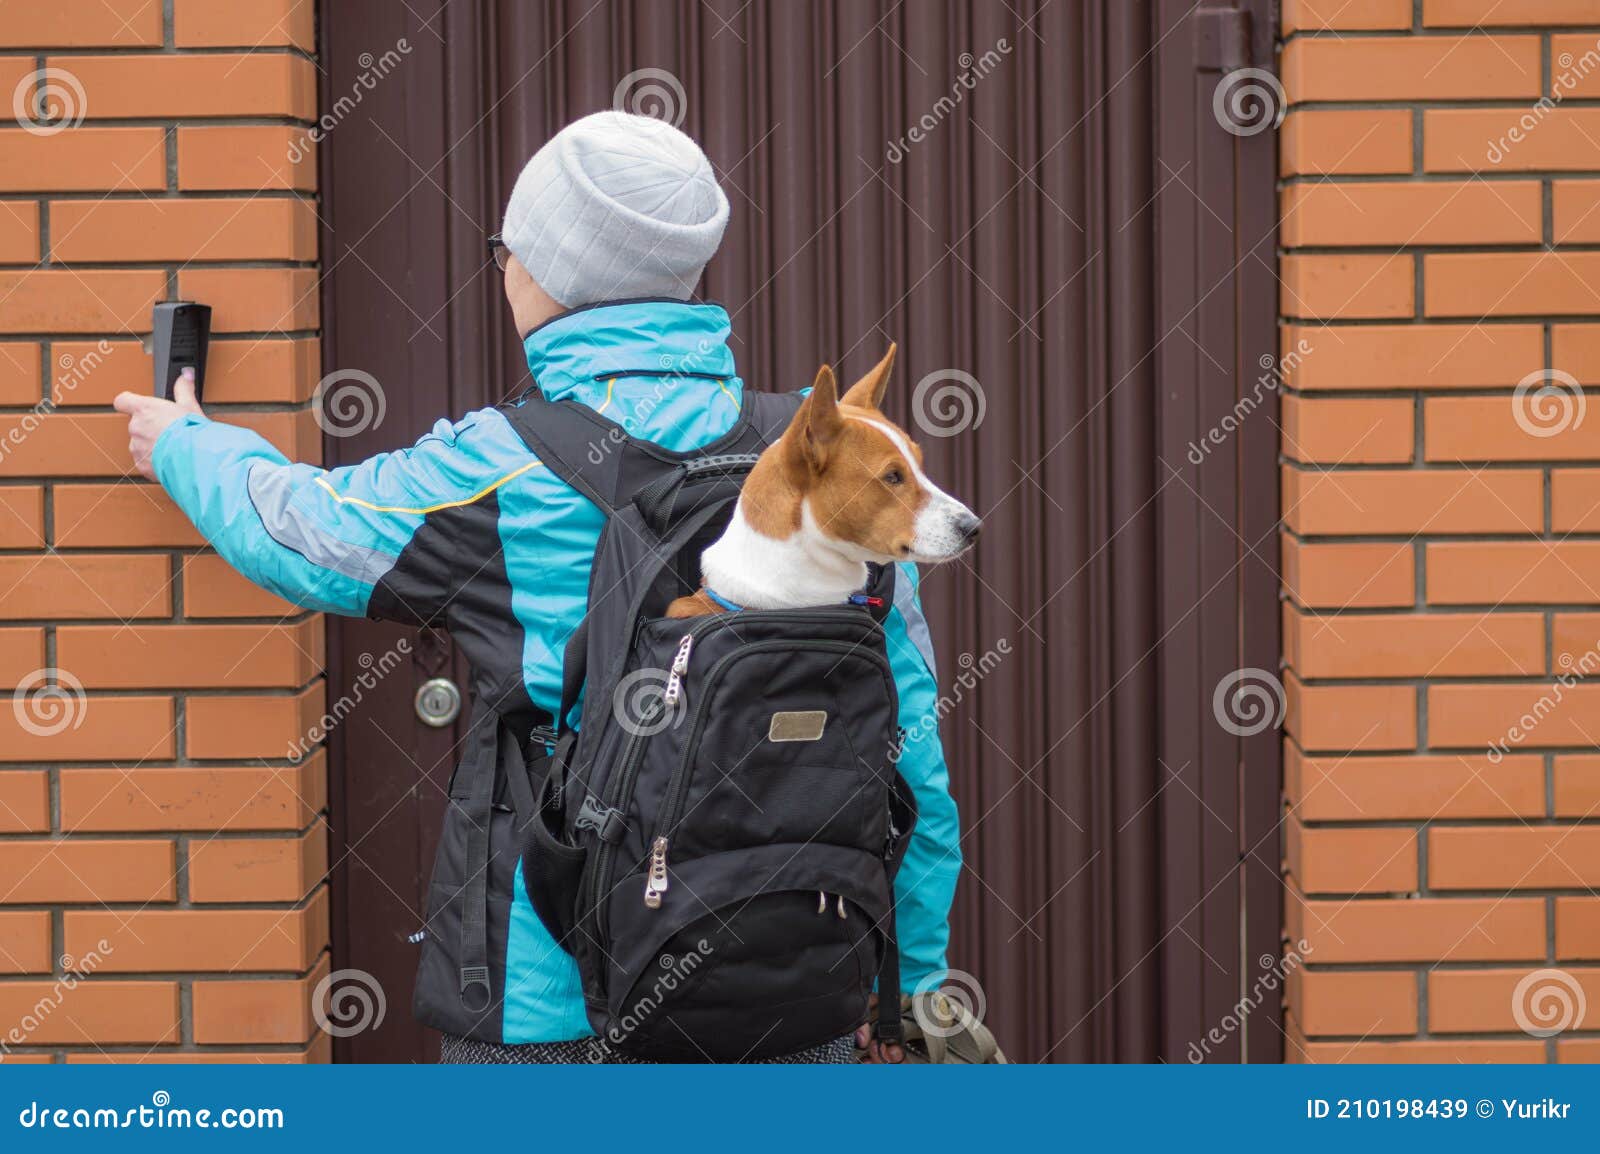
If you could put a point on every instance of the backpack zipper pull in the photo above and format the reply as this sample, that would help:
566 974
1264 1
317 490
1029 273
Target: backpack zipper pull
655 884
680 666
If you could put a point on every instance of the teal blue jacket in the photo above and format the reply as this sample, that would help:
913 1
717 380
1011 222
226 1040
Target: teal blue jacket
357 540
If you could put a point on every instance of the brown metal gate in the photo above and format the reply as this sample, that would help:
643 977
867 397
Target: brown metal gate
1061 225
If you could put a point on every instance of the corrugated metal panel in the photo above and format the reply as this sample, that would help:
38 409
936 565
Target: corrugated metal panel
1016 241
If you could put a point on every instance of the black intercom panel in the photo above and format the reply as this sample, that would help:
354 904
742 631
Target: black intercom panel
181 333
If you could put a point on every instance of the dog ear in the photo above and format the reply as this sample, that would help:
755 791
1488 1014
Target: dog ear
867 393
818 422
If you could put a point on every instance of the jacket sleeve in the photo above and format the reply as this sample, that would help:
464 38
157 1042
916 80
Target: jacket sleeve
926 883
370 538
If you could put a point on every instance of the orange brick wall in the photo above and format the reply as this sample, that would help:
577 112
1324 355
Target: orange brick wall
154 838
1441 562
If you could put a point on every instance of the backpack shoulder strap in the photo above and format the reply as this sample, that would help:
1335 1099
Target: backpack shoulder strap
573 441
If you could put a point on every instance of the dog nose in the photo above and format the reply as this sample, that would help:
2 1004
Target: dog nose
969 526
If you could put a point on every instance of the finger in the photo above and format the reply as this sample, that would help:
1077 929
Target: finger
130 403
894 1053
183 392
863 1037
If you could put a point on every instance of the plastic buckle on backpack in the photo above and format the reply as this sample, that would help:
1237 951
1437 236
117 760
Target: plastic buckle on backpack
607 823
472 976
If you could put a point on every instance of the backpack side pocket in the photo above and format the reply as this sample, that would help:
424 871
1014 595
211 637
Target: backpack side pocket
551 867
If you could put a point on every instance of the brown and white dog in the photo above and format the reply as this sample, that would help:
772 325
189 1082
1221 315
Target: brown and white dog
842 487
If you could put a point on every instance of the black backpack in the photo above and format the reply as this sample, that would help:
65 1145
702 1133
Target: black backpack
716 843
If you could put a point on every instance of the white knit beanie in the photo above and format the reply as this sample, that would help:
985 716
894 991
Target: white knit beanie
616 206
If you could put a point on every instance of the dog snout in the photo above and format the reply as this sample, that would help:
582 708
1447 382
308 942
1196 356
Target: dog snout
969 526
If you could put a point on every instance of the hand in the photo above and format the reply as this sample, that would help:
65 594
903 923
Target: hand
876 1051
150 416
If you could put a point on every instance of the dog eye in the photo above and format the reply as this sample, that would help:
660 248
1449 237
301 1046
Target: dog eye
893 477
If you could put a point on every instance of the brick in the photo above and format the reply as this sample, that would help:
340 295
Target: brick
263 371
1576 207
1345 15
82 24
1413 788
259 228
66 445
1512 283
19 373
1509 139
79 300
94 372
52 586
1488 13
1513 572
86 159
255 299
1525 716
1575 349
1574 61
317 1052
1412 502
1534 427
213 588
243 23
119 516
1518 1052
1327 859
1577 929
204 940
1423 645
256 1013
258 869
1439 212
36 872
1341 286
1584 1051
230 798
1416 356
177 656
1575 643
1424 930
1346 430
1577 785
21 516
239 157
21 652
1339 575
1540 857
19 232
102 729
295 435
256 84
239 726
91 1012
1336 142
1358 1004
1430 68
1487 1001
24 799
1358 717
25 942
